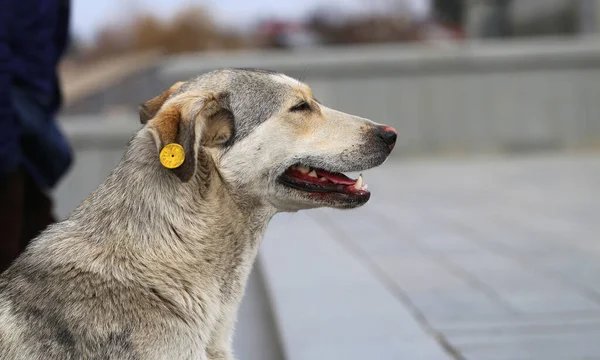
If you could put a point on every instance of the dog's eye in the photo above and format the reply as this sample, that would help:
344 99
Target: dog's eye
303 106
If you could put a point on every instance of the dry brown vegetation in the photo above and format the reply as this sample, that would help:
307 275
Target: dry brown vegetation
191 30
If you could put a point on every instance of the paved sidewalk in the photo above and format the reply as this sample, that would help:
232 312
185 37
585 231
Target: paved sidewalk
490 259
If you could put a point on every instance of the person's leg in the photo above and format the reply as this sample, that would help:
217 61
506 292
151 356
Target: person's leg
12 190
37 212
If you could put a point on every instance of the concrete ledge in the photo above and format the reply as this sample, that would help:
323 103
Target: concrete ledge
81 83
99 131
329 306
354 61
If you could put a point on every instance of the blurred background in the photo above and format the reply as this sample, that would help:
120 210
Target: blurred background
482 238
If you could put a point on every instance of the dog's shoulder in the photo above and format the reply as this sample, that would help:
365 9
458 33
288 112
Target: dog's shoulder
39 316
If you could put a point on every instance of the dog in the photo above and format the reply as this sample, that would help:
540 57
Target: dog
153 264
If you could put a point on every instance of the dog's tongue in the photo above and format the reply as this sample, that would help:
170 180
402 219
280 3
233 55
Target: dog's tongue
319 175
324 179
335 177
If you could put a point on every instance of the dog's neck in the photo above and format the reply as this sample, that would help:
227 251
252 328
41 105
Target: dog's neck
196 228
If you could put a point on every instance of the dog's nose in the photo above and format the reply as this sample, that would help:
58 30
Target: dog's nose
389 135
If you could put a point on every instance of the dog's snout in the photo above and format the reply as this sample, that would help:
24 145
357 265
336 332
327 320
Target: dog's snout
388 134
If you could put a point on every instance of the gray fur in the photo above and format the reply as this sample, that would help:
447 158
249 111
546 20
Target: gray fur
150 266
251 95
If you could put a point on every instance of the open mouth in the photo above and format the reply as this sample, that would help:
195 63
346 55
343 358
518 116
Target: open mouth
323 182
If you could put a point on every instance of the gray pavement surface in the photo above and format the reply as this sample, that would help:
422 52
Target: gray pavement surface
479 259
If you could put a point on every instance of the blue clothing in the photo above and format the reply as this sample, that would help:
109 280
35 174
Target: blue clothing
33 37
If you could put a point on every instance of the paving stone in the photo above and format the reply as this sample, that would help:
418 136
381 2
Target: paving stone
500 334
420 273
499 256
392 350
327 302
537 347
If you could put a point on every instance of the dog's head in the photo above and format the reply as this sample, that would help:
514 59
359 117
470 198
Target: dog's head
268 138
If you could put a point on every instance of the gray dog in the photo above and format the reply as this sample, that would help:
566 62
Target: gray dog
153 264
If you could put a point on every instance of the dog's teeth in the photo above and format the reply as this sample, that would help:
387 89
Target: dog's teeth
313 174
323 178
303 169
359 183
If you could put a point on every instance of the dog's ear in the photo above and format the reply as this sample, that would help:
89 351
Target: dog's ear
149 109
188 125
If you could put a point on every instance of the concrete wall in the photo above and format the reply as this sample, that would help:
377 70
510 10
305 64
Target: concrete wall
474 97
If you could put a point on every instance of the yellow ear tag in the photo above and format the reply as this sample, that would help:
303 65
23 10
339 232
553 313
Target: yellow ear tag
172 156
